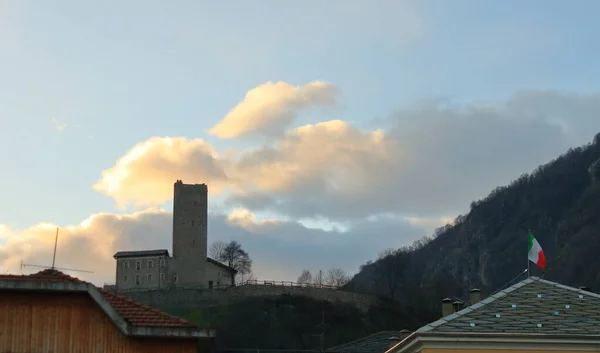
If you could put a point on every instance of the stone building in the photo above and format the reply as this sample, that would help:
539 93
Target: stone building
188 264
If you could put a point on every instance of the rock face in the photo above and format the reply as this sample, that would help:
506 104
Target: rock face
486 248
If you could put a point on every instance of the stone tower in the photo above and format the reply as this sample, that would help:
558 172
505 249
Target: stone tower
190 220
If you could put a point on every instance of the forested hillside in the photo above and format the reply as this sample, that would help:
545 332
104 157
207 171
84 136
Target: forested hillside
559 202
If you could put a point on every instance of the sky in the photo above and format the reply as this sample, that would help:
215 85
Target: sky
326 131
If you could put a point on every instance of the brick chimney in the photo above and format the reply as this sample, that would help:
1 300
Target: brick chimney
475 296
447 307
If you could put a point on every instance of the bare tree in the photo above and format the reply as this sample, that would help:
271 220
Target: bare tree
390 267
337 277
305 277
216 249
245 277
236 258
318 278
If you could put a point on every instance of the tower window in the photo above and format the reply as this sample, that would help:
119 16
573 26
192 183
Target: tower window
124 279
150 264
137 279
149 277
126 264
138 265
162 263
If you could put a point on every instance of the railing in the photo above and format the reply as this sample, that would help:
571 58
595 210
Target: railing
222 286
286 284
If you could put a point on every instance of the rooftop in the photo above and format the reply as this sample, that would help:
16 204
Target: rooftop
142 253
375 343
130 312
532 306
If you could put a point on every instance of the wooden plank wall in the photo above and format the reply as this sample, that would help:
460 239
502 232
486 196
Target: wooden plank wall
69 323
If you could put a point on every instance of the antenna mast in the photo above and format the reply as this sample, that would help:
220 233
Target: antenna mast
55 243
53 260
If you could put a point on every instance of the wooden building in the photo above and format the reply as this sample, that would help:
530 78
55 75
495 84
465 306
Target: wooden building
52 312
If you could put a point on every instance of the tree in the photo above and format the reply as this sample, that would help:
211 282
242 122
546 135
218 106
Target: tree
305 277
216 249
245 277
337 277
232 255
318 278
390 267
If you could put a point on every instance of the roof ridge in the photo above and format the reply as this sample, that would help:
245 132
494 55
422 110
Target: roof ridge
500 294
572 289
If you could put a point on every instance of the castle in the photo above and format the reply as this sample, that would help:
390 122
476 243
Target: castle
188 264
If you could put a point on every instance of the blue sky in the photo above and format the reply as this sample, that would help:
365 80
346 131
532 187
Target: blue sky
118 73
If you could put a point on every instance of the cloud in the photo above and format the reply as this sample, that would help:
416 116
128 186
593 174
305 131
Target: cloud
271 107
144 175
430 160
279 249
58 126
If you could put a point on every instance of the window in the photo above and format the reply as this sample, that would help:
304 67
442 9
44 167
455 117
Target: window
150 264
210 284
149 277
192 223
138 265
162 263
193 242
162 276
219 274
175 279
137 279
126 264
124 279
218 284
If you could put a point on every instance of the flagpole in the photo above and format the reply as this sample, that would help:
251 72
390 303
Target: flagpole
528 274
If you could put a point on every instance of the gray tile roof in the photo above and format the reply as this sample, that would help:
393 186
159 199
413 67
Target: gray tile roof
531 306
142 253
375 343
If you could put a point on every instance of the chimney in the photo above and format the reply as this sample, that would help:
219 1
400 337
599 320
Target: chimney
587 289
457 305
475 296
447 308
393 341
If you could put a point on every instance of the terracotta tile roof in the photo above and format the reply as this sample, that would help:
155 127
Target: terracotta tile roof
375 343
137 314
531 306
47 275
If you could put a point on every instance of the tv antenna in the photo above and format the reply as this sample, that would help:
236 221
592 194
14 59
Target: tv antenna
53 260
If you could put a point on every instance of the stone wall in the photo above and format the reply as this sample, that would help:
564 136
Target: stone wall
189 298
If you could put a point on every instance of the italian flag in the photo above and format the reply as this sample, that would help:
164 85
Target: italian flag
536 254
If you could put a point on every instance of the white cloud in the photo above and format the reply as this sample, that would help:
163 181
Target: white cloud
144 176
271 107
279 249
431 161
58 126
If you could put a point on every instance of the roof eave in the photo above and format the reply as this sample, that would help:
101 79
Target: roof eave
423 339
123 326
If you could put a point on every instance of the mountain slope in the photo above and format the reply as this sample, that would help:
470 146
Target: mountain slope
559 202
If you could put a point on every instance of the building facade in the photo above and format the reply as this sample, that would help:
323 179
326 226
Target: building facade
50 311
188 264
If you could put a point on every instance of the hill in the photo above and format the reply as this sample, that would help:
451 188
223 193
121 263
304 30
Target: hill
295 322
559 202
